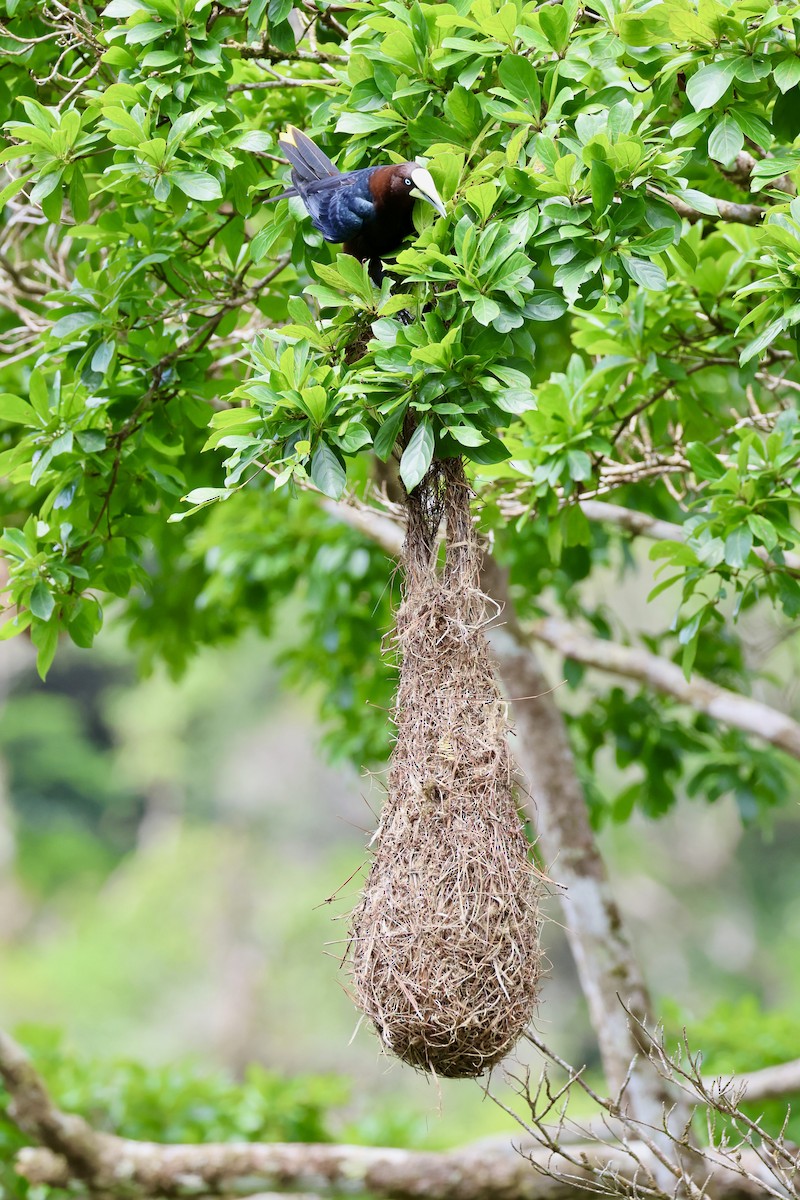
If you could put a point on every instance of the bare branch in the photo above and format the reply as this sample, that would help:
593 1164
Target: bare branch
769 1083
665 531
728 210
751 716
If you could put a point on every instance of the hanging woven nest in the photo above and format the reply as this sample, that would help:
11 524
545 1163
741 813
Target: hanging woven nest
445 955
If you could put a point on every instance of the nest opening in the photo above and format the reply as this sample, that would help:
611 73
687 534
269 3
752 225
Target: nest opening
445 956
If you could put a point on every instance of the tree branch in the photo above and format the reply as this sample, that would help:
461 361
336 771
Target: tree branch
666 531
770 1083
728 210
740 712
270 54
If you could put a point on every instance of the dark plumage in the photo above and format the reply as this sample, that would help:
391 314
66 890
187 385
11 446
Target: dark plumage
370 210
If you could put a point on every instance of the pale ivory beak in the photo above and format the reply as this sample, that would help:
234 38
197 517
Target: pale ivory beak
425 189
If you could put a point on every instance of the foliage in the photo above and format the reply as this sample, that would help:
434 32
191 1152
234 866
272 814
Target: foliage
174 1103
609 309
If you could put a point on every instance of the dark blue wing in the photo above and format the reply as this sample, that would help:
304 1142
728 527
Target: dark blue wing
340 206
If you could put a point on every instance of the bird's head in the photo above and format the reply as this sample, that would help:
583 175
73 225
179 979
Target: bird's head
413 180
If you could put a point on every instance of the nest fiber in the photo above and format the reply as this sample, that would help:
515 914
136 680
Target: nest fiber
445 946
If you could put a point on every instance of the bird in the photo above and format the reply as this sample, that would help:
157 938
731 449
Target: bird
369 210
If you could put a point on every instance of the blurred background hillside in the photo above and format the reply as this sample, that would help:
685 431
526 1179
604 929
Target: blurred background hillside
176 859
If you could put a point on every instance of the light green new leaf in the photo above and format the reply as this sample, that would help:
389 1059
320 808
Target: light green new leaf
16 410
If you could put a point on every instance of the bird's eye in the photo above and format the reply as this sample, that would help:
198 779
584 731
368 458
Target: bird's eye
407 182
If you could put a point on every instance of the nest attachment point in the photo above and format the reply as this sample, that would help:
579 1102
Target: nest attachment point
445 956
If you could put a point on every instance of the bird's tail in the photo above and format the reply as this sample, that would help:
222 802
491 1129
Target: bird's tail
287 195
308 161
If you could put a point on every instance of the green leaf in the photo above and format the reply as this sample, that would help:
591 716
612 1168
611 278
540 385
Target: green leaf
764 339
92 441
518 76
44 635
645 272
197 184
490 451
704 204
485 310
580 465
386 436
72 323
704 462
467 435
125 8
41 602
709 84
555 25
786 115
725 142
762 529
463 110
46 185
738 545
102 357
417 456
545 306
327 472
787 73
255 141
603 185
16 411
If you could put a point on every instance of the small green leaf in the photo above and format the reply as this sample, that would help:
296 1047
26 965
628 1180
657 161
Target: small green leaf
763 529
645 272
44 635
386 436
787 73
704 462
545 306
786 115
485 310
102 357
603 185
417 456
91 440
555 26
467 435
327 472
704 204
41 602
198 185
738 544
72 323
764 339
580 465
